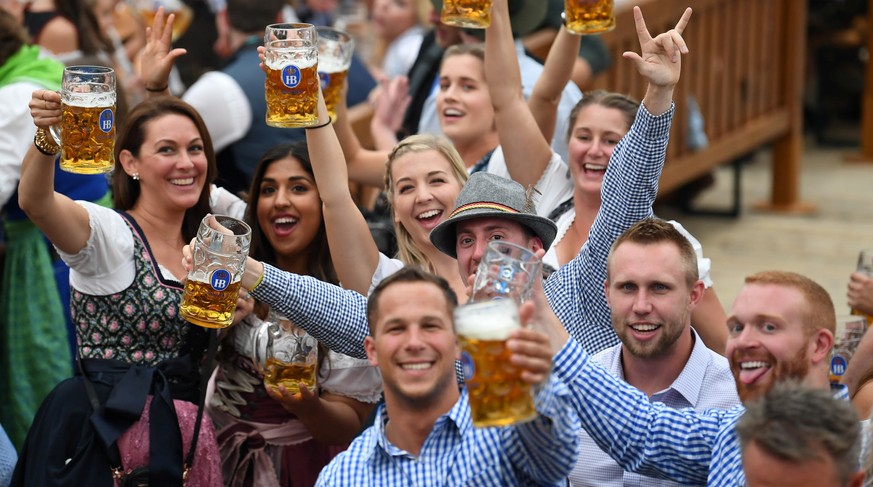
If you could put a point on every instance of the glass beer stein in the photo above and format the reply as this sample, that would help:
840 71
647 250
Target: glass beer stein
335 49
291 89
470 14
218 262
498 395
506 271
285 354
589 16
865 266
147 9
86 133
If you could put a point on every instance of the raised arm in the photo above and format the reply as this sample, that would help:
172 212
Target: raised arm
63 221
526 151
158 56
557 72
364 166
352 248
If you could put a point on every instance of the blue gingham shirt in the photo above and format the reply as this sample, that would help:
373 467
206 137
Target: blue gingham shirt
705 382
684 445
630 186
540 452
338 317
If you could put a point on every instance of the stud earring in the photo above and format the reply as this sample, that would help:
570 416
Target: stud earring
135 176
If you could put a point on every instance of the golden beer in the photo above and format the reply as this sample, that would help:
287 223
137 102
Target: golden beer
589 16
289 375
472 14
498 395
292 95
332 89
203 305
87 135
184 16
867 317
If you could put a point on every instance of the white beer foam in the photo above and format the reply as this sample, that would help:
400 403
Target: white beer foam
279 60
330 65
88 100
487 320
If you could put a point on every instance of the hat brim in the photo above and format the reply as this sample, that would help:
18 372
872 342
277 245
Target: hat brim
524 17
444 235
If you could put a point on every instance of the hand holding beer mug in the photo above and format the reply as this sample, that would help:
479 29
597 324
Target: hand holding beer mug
589 16
335 49
285 354
850 330
506 271
498 394
218 261
865 266
291 89
471 14
87 130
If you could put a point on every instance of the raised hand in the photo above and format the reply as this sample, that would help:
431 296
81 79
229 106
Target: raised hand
659 60
158 56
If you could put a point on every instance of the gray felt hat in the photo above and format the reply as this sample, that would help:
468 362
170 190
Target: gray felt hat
489 195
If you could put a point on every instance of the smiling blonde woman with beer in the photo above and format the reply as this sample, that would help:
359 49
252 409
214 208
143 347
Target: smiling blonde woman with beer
141 358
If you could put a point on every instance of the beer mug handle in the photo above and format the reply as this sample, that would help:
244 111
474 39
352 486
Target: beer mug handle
56 133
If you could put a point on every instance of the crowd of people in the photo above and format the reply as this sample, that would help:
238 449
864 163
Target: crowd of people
639 375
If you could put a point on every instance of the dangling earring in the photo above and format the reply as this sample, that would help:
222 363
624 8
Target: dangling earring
135 176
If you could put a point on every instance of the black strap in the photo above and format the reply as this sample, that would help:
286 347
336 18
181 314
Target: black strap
113 453
559 210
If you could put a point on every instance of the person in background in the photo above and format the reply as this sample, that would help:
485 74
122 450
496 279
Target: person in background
301 432
802 437
400 27
424 433
35 346
652 288
66 28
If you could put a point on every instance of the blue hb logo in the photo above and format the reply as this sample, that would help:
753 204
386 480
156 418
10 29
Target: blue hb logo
291 76
838 365
220 280
323 79
106 120
467 366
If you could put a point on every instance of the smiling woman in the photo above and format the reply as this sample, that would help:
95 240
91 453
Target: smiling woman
125 272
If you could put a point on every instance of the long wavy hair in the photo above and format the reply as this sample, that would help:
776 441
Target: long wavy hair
131 135
319 263
407 250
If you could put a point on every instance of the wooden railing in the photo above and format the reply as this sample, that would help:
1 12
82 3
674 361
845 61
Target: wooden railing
745 69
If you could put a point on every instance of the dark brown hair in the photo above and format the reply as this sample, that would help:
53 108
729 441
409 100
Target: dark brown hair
623 103
126 191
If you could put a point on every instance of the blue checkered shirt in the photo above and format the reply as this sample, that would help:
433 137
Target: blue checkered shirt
684 445
630 186
540 452
338 317
705 382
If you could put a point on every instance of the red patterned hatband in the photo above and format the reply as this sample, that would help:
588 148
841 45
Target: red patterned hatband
486 205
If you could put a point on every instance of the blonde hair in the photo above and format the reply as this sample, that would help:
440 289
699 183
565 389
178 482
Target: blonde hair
422 9
407 250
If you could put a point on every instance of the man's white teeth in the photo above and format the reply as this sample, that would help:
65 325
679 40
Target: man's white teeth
753 365
451 112
594 167
285 220
421 366
645 327
428 214
182 182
